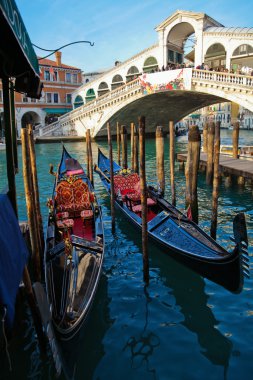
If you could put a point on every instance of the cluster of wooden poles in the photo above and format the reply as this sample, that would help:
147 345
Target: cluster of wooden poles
211 142
138 165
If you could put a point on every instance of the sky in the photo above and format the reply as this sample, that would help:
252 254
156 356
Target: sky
119 29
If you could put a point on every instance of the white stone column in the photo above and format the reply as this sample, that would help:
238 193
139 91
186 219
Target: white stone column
228 55
199 46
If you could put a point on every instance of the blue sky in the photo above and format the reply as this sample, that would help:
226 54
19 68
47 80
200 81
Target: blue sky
119 29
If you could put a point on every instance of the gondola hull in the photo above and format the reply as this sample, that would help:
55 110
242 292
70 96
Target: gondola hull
182 239
74 248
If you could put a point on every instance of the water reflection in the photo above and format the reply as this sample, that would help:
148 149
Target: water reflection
81 356
143 345
188 288
189 291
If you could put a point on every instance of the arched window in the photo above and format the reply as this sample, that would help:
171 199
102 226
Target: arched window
90 95
243 50
117 81
215 56
103 88
78 101
132 74
150 65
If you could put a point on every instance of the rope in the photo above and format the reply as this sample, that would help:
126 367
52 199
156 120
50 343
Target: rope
5 339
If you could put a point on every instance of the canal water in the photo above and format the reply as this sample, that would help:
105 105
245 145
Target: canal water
181 326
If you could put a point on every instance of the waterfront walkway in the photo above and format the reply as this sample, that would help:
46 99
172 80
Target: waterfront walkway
228 165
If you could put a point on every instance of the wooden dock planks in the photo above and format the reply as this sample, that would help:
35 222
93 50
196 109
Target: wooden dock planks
229 165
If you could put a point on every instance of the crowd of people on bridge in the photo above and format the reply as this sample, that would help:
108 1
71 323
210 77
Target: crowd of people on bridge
244 70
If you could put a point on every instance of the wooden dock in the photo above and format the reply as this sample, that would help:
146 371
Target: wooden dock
228 165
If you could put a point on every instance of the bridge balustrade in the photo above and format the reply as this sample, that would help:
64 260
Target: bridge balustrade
201 76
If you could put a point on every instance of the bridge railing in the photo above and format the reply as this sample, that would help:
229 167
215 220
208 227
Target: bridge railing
101 100
223 77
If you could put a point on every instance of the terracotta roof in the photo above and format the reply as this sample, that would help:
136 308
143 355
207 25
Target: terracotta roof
49 62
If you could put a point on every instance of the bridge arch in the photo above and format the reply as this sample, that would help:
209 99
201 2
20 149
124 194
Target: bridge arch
175 41
132 73
117 81
90 95
78 102
103 89
150 65
215 56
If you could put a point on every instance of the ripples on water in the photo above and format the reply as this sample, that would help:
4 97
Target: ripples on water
179 327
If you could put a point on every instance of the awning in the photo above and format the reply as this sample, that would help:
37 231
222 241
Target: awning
56 110
17 56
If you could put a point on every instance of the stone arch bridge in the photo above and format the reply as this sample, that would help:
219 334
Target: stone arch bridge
161 97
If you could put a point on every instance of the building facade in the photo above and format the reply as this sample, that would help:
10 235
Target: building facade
59 82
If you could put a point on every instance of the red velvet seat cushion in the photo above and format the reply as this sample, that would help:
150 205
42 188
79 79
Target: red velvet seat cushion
65 223
86 214
62 215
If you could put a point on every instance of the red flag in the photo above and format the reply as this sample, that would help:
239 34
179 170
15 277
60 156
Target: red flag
189 212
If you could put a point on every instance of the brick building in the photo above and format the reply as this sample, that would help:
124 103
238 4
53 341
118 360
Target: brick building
59 81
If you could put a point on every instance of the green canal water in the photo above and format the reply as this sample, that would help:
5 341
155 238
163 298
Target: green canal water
179 327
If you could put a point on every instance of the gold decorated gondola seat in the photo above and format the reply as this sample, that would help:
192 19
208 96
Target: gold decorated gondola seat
73 196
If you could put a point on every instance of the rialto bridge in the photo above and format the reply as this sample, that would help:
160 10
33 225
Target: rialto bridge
145 85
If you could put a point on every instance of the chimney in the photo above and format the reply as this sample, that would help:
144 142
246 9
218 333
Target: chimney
58 58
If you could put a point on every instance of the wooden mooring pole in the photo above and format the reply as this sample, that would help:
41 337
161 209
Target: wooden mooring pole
124 146
89 156
160 159
215 181
35 188
111 176
118 143
143 189
132 127
30 205
191 171
236 127
210 146
136 150
10 156
205 137
172 163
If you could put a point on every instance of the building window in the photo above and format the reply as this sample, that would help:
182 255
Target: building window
1 96
55 76
47 75
48 97
52 97
74 77
68 77
170 56
25 99
56 98
68 98
32 100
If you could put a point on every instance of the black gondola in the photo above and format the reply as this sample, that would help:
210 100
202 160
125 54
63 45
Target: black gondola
74 248
183 239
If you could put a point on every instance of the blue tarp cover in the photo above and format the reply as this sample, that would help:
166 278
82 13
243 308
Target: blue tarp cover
13 257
